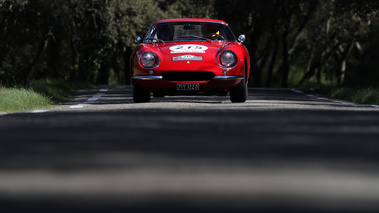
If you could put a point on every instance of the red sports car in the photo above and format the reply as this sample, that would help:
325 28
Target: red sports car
190 57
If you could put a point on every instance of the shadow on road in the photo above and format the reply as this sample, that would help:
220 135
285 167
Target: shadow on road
192 143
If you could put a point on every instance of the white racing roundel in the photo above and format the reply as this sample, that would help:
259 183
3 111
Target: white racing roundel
188 48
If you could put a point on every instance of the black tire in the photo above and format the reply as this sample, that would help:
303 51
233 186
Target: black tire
140 94
239 93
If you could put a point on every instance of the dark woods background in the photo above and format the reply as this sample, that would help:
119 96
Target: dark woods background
290 41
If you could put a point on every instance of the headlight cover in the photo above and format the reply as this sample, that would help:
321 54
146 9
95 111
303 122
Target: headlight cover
228 59
149 60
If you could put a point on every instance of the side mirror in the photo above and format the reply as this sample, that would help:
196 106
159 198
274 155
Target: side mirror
139 39
241 38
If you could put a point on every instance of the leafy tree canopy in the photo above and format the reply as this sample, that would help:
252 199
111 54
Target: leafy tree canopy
290 41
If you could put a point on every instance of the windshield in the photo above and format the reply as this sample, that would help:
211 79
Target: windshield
189 31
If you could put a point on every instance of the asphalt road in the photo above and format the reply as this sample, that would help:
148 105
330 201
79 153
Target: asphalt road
282 151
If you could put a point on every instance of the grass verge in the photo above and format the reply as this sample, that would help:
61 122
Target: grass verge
358 95
40 94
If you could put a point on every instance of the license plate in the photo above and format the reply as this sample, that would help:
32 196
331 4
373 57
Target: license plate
187 87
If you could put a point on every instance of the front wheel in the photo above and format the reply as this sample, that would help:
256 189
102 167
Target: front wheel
238 94
140 93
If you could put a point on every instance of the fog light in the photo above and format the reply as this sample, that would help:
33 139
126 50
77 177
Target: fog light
224 72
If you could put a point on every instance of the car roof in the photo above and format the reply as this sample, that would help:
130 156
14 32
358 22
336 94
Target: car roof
192 20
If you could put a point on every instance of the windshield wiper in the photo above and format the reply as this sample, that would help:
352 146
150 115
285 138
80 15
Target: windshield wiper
193 36
155 39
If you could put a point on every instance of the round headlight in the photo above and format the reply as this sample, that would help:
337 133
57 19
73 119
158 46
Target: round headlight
149 60
228 59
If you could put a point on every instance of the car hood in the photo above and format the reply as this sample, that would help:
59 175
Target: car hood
191 48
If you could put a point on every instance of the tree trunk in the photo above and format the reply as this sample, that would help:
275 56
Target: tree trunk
128 65
103 75
285 63
308 74
116 68
25 73
76 52
54 57
343 60
272 61
255 37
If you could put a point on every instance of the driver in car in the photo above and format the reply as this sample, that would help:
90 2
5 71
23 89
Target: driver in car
164 33
210 30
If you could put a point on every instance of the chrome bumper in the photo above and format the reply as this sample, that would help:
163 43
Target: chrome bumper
147 77
228 78
216 78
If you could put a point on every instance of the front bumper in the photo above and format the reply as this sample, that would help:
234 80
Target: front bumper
216 78
147 78
216 85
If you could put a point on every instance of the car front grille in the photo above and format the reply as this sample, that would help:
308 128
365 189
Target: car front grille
188 76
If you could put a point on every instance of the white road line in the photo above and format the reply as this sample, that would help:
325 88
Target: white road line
91 100
311 96
298 91
77 106
323 98
39 111
347 103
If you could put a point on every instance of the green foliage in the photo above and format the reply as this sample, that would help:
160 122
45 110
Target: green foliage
40 94
363 96
57 90
78 39
21 99
357 95
290 41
